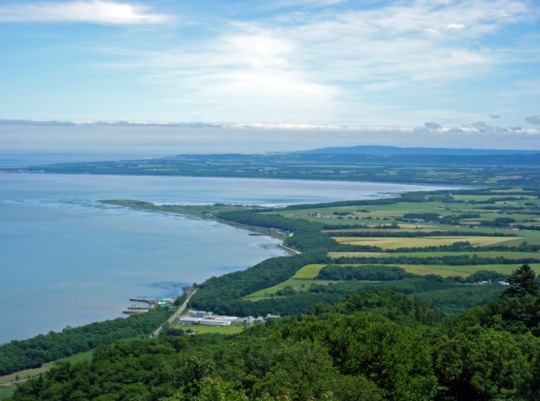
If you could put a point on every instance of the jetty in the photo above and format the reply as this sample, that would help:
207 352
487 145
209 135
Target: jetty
151 302
135 311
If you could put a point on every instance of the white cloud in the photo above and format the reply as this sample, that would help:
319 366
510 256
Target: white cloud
455 26
326 67
92 11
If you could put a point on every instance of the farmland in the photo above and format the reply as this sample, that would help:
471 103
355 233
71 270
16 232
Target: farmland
489 254
447 234
395 243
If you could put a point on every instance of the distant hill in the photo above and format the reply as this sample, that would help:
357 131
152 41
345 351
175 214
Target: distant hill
394 150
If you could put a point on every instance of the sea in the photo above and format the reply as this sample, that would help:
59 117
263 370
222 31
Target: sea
68 260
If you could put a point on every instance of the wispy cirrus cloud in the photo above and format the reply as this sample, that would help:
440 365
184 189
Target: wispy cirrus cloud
88 11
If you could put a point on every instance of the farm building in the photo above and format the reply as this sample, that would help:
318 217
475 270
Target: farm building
215 322
186 320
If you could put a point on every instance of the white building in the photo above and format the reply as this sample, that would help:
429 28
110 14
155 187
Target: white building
186 320
215 322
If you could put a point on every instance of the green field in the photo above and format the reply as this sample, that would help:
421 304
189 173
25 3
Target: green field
396 242
201 329
309 271
295 283
85 356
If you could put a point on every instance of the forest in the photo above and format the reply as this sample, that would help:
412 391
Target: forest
374 345
18 355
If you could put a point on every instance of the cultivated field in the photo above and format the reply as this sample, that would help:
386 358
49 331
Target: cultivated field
394 243
462 271
488 254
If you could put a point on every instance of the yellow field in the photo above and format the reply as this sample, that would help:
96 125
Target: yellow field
394 243
359 254
461 271
24 373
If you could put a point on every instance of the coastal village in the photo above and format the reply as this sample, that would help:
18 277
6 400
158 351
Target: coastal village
210 319
195 318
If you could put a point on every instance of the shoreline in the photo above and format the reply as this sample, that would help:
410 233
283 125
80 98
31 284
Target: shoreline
287 251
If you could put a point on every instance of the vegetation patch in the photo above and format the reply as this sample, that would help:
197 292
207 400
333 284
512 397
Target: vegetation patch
202 329
287 288
309 272
6 392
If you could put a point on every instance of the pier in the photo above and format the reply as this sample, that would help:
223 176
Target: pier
135 311
150 302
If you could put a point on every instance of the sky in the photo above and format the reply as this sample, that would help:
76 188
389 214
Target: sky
268 75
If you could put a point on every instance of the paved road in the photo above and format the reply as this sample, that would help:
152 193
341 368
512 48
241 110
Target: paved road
176 314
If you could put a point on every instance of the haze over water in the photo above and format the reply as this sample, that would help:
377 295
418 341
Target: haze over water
66 259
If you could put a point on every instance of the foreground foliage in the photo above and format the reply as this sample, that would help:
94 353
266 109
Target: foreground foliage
375 345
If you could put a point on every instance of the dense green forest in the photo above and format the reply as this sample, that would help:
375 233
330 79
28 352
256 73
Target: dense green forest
374 345
365 272
32 353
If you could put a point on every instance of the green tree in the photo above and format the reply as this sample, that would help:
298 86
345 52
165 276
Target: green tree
522 282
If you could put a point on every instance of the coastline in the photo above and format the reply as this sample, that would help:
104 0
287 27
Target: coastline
53 194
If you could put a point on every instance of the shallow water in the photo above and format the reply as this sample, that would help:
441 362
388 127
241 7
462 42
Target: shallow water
67 260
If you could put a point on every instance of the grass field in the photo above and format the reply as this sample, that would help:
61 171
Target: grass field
489 254
394 243
295 283
308 271
200 329
85 356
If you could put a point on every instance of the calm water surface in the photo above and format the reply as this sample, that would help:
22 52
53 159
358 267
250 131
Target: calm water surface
67 260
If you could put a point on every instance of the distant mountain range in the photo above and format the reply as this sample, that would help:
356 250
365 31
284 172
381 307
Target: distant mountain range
394 150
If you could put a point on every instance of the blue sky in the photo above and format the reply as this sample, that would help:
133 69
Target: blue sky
469 65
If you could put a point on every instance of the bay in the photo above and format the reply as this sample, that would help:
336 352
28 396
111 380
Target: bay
66 259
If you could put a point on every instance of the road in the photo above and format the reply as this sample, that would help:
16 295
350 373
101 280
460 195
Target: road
176 314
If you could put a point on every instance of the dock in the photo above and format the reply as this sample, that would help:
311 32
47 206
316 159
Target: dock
150 302
135 311
138 308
